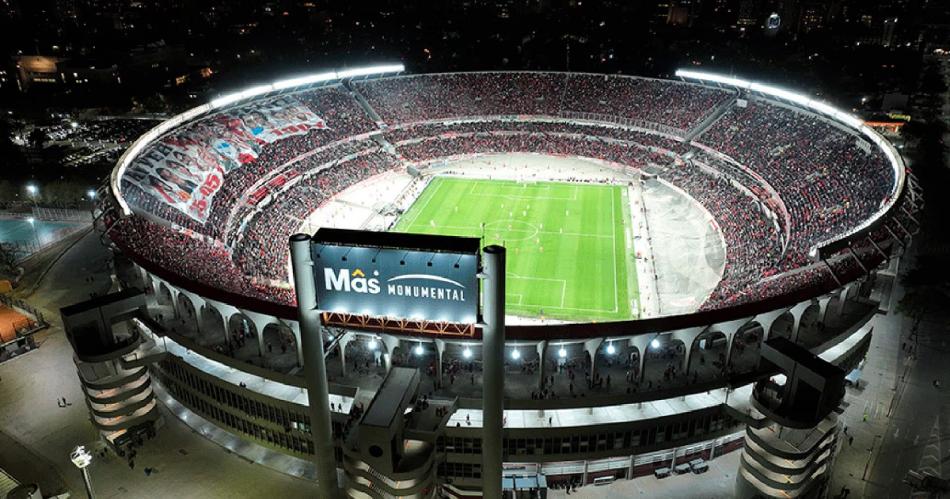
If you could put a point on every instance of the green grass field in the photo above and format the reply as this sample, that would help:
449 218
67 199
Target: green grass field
567 243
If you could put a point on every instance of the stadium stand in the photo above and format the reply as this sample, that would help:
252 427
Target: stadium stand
782 179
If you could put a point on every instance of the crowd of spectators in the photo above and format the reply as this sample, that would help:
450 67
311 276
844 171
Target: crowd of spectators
828 183
264 251
415 132
192 258
817 179
411 99
752 244
623 153
343 118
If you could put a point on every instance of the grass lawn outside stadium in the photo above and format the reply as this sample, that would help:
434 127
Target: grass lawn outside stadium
568 244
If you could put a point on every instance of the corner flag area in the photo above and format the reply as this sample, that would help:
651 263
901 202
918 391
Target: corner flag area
568 244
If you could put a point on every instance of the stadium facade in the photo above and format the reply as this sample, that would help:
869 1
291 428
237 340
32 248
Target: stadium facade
812 207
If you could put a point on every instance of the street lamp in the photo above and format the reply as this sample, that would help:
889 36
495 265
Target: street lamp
91 194
32 189
82 459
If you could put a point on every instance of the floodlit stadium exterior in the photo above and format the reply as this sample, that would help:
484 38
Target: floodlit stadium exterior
605 432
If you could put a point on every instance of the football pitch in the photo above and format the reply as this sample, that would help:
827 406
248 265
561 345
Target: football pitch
568 244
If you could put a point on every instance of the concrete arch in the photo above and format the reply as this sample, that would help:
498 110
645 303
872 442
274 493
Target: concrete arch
212 326
280 346
833 309
150 287
620 352
132 277
852 290
278 335
783 326
640 345
358 359
527 356
708 354
456 351
809 325
188 315
163 297
408 357
746 346
811 314
243 327
664 363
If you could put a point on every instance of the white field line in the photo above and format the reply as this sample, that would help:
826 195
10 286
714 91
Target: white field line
425 205
533 231
562 282
613 246
520 297
475 185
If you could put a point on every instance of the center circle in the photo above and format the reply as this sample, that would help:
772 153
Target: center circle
512 229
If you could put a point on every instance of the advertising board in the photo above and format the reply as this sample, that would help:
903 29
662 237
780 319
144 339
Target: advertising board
396 275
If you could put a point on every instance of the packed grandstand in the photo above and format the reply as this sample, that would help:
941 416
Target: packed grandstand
211 199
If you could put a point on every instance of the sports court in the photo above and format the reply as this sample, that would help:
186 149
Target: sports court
28 236
567 243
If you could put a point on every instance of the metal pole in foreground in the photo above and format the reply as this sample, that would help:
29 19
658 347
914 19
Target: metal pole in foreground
315 372
493 376
82 459
87 483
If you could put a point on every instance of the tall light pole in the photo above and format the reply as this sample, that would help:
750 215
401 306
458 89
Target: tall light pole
91 195
82 459
33 190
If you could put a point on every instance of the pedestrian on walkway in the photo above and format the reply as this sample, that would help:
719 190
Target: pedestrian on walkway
850 440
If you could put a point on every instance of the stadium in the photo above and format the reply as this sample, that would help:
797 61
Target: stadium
658 232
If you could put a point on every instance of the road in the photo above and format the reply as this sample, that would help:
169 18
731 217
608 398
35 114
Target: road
918 430
36 435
